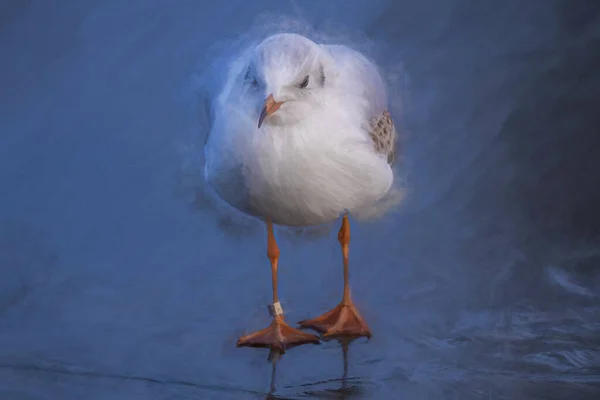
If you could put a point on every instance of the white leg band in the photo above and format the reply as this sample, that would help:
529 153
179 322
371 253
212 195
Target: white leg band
275 309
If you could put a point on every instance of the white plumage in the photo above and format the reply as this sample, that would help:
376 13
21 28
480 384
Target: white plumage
314 158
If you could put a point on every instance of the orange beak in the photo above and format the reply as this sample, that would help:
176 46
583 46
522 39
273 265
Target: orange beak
270 107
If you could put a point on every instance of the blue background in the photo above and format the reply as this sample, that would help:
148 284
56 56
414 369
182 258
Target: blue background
121 279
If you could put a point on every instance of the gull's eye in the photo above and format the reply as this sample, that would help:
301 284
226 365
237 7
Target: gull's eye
250 78
253 82
304 83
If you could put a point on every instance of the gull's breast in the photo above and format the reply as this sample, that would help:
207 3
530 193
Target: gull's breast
306 176
301 174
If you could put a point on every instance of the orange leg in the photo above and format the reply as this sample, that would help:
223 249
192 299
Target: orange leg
344 320
278 335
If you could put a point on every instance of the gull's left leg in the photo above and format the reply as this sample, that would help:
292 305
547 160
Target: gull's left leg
343 320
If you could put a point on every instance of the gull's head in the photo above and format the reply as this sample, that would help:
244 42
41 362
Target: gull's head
286 78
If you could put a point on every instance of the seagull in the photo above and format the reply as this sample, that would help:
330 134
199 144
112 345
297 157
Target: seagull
301 135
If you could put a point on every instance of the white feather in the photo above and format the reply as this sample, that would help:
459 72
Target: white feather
313 159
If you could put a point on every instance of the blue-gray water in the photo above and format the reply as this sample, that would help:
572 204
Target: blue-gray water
119 281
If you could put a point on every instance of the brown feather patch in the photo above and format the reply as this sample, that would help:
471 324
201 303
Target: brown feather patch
383 133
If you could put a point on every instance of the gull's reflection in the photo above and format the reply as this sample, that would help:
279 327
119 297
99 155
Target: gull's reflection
274 357
345 343
348 386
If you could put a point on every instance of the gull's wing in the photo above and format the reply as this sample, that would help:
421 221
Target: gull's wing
358 76
383 133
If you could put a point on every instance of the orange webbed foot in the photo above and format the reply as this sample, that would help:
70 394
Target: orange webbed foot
277 336
343 321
